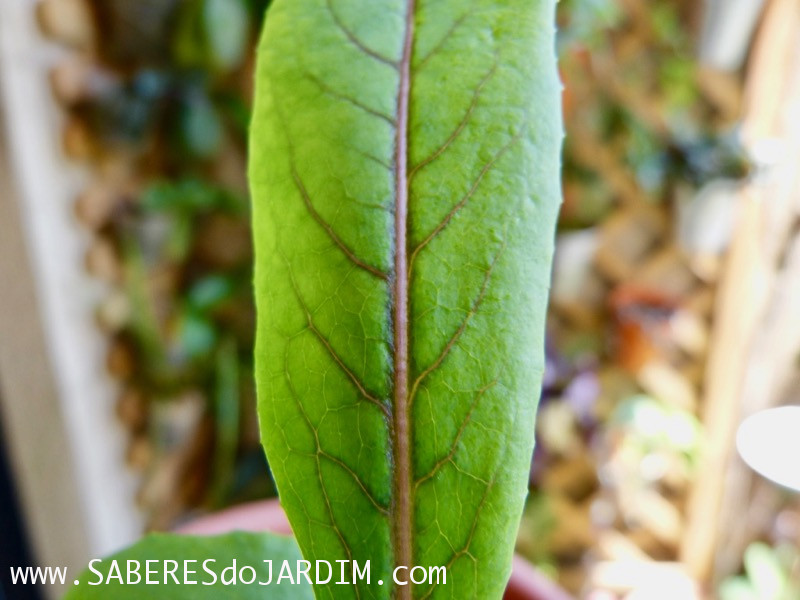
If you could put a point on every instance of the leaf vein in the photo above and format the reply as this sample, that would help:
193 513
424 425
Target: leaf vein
461 328
354 39
459 128
465 549
381 509
441 43
463 202
301 188
400 423
350 100
329 229
333 523
331 351
454 446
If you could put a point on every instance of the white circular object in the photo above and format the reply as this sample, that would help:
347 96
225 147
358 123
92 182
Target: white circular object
769 442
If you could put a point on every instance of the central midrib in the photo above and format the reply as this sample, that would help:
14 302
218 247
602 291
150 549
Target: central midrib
401 508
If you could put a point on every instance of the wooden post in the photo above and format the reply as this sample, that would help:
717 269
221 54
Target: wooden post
765 216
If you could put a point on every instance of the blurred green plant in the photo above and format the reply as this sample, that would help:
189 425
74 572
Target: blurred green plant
538 525
634 110
177 106
769 574
652 425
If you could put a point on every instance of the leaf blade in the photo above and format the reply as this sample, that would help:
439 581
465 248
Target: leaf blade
389 137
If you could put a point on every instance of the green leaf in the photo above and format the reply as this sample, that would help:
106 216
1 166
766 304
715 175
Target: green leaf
405 171
737 588
226 420
183 195
227 26
200 126
765 571
207 561
196 335
189 197
211 34
210 291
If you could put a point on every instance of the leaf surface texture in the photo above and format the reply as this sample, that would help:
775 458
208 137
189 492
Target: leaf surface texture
405 176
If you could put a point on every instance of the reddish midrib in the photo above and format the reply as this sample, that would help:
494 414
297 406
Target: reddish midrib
401 508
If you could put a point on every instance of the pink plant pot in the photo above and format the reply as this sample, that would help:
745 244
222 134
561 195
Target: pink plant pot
526 582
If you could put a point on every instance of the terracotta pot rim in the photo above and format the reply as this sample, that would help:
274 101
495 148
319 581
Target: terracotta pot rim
526 583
